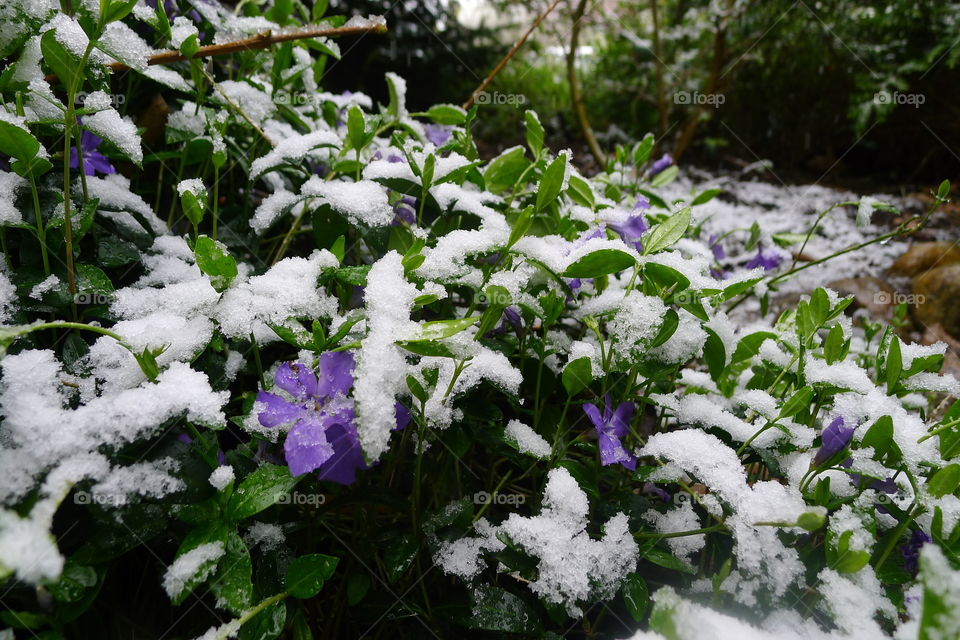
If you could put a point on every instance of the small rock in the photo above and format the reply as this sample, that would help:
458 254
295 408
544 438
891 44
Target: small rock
870 293
923 256
936 293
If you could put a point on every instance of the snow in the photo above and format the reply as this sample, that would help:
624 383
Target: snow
573 567
287 290
382 366
293 150
361 202
196 564
120 131
528 440
10 185
221 477
941 580
265 535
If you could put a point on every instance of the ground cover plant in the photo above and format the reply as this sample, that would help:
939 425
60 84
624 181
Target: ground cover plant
296 364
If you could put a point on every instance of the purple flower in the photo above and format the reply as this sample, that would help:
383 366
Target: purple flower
661 164
718 251
323 435
93 160
834 438
405 211
632 228
766 259
438 134
651 489
911 550
610 427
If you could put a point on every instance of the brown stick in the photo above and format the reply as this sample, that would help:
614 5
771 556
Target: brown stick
260 41
503 62
575 96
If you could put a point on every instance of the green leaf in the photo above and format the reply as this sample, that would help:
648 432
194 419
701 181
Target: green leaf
447 114
440 329
600 263
636 596
833 344
213 532
894 364
666 560
749 345
671 320
940 601
429 348
496 609
60 60
705 196
667 232
259 490
400 555
665 276
193 207
945 481
788 239
641 152
879 436
665 177
357 587
498 299
551 182
232 584
503 171
944 189
714 353
17 142
356 129
74 582
797 403
214 259
267 624
306 574
535 133
577 375
580 192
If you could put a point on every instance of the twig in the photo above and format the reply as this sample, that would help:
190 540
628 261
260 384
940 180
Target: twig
259 41
503 62
575 96
236 107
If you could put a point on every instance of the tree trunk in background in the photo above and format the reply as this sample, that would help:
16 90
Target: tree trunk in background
661 100
578 109
713 83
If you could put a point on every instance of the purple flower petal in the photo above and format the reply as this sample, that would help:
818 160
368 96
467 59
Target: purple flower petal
336 374
594 414
835 438
277 410
438 134
347 456
612 451
403 416
661 164
767 259
306 447
620 422
297 380
718 251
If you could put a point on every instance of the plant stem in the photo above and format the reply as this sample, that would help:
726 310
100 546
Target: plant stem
717 528
41 230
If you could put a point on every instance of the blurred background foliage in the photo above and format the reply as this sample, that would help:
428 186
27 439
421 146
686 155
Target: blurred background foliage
817 88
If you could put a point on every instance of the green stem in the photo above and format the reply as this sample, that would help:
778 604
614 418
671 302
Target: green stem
717 528
41 230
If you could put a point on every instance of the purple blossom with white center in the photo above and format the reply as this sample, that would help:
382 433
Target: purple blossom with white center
611 427
767 259
834 439
911 550
657 167
438 134
93 161
323 435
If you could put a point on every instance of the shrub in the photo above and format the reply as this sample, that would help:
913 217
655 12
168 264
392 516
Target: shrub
356 351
